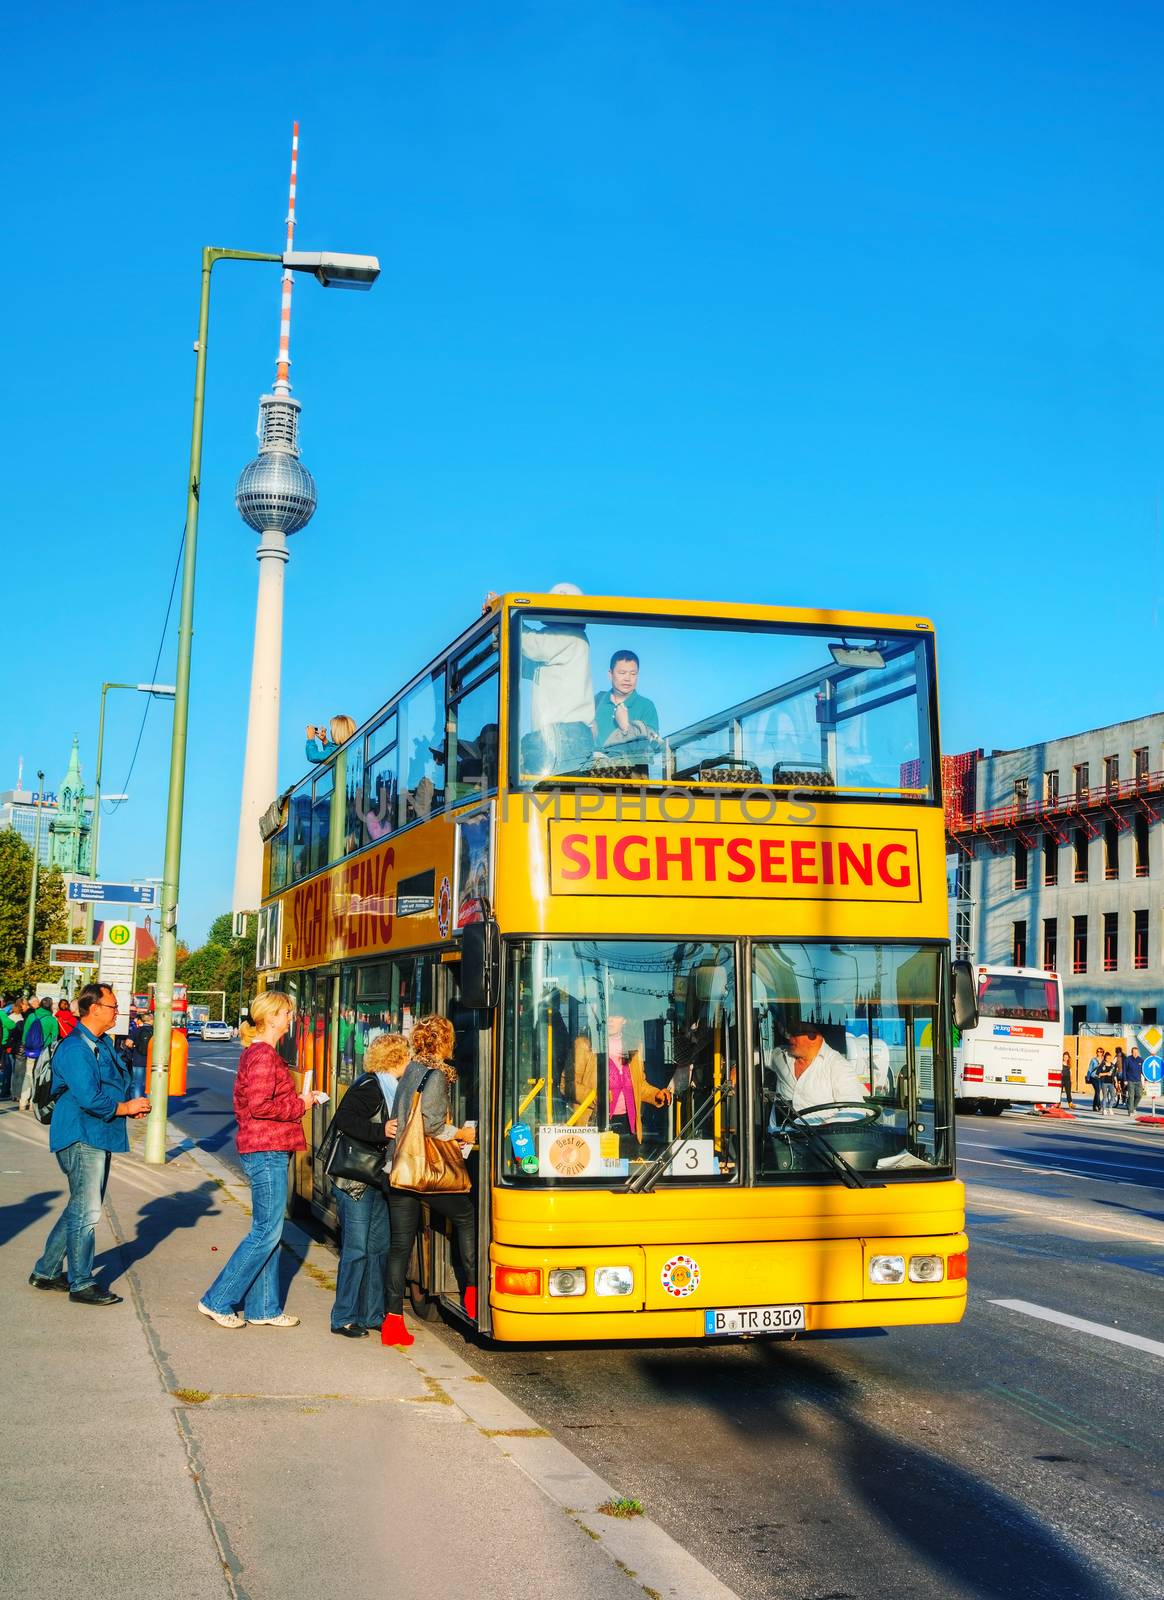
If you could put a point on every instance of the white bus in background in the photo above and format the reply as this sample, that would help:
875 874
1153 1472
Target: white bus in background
1014 1054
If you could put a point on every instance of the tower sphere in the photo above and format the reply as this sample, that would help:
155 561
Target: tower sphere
275 492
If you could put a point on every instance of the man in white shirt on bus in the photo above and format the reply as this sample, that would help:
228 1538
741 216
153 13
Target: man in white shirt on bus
810 1072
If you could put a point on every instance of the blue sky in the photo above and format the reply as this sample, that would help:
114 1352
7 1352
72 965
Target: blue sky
845 304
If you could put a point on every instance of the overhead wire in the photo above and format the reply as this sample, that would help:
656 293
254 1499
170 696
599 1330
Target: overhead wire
115 805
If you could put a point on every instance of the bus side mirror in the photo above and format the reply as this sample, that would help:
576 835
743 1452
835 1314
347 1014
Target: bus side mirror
481 965
965 998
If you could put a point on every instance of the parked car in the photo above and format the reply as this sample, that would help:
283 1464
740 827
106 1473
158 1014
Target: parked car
216 1030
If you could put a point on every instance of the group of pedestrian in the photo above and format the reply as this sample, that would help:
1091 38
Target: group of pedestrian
377 1222
29 1028
1116 1080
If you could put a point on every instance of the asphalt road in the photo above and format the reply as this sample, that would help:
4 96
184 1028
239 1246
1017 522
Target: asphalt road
1014 1455
205 1113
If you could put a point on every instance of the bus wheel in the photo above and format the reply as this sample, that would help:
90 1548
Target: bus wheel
993 1108
424 1308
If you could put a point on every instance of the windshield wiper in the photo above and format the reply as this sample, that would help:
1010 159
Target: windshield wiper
847 1172
644 1181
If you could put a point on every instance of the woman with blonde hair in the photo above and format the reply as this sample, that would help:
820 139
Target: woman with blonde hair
270 1127
430 1074
322 743
363 1115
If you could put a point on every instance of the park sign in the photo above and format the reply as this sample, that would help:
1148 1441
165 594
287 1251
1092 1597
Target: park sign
74 955
89 892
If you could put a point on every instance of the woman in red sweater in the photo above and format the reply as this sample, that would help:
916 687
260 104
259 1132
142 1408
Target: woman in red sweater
270 1127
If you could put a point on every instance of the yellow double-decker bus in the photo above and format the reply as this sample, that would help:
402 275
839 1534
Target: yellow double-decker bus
676 873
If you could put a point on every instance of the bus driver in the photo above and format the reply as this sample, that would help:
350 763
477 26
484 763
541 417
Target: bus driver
810 1072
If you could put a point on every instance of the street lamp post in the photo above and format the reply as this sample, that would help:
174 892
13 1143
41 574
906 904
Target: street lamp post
340 271
163 691
35 875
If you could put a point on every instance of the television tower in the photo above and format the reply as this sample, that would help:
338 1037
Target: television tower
275 496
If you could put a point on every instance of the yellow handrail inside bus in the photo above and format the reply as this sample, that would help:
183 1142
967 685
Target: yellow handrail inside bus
531 1096
582 1109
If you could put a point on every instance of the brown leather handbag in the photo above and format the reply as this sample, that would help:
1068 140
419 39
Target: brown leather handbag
425 1165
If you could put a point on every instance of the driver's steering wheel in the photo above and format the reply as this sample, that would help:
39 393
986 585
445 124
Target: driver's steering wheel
870 1112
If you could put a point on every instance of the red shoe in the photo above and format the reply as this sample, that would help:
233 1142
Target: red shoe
393 1331
469 1300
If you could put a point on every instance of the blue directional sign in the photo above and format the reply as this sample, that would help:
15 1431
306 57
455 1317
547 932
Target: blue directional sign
1153 1069
120 894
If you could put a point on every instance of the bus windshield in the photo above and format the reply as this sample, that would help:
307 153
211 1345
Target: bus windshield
613 1046
694 701
852 1054
1006 994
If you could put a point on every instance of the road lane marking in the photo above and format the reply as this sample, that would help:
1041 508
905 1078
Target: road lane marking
1041 1172
1066 1222
1083 1161
1135 1341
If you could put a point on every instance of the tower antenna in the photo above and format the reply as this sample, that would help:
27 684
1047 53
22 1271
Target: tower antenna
283 365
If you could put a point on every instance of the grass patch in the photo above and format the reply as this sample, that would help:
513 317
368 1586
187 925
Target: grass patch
621 1507
191 1397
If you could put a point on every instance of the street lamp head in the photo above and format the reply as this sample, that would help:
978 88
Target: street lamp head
334 271
166 690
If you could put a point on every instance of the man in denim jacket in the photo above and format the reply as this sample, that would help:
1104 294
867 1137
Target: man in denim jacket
87 1127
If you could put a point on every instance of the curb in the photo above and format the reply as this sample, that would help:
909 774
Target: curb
638 1547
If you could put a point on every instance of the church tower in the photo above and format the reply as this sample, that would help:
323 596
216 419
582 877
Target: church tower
69 829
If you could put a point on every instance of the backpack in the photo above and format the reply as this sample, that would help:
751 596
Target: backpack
43 1099
33 1037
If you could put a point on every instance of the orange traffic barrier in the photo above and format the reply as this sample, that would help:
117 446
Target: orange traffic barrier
179 1060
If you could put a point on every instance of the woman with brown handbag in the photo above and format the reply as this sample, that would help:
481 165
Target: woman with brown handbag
424 1088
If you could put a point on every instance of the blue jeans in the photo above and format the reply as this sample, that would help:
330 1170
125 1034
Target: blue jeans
359 1285
87 1170
251 1276
139 1080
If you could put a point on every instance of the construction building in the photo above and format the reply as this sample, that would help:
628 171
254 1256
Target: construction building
1055 855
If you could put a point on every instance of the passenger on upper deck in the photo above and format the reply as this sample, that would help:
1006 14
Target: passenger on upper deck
627 723
562 698
809 1073
322 743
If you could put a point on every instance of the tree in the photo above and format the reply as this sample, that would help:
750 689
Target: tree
50 923
223 962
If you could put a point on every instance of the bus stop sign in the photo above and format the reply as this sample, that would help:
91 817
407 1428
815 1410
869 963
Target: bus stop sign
1153 1074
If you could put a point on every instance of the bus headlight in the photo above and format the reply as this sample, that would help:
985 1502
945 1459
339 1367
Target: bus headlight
614 1280
567 1281
886 1269
926 1269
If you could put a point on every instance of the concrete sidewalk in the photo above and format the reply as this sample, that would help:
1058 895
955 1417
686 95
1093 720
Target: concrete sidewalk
147 1451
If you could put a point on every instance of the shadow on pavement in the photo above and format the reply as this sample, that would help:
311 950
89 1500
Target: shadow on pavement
974 1539
15 1219
155 1222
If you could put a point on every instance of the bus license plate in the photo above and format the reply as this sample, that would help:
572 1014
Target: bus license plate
754 1319
1015 1077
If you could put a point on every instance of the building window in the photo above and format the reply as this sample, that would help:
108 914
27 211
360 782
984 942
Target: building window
1079 944
1080 856
1051 788
1149 1014
1111 771
1020 864
1019 944
1115 1014
1111 941
1111 850
1022 790
1082 777
1050 862
1050 943
1078 1018
1140 945
1140 829
1140 762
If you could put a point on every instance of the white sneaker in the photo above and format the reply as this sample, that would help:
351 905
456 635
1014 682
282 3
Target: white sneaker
225 1319
283 1320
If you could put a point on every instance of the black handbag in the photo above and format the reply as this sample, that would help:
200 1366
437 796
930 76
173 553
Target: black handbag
353 1159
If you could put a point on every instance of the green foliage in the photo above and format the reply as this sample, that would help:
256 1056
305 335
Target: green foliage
52 917
223 962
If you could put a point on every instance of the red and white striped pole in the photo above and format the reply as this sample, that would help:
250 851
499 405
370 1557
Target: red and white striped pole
283 366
